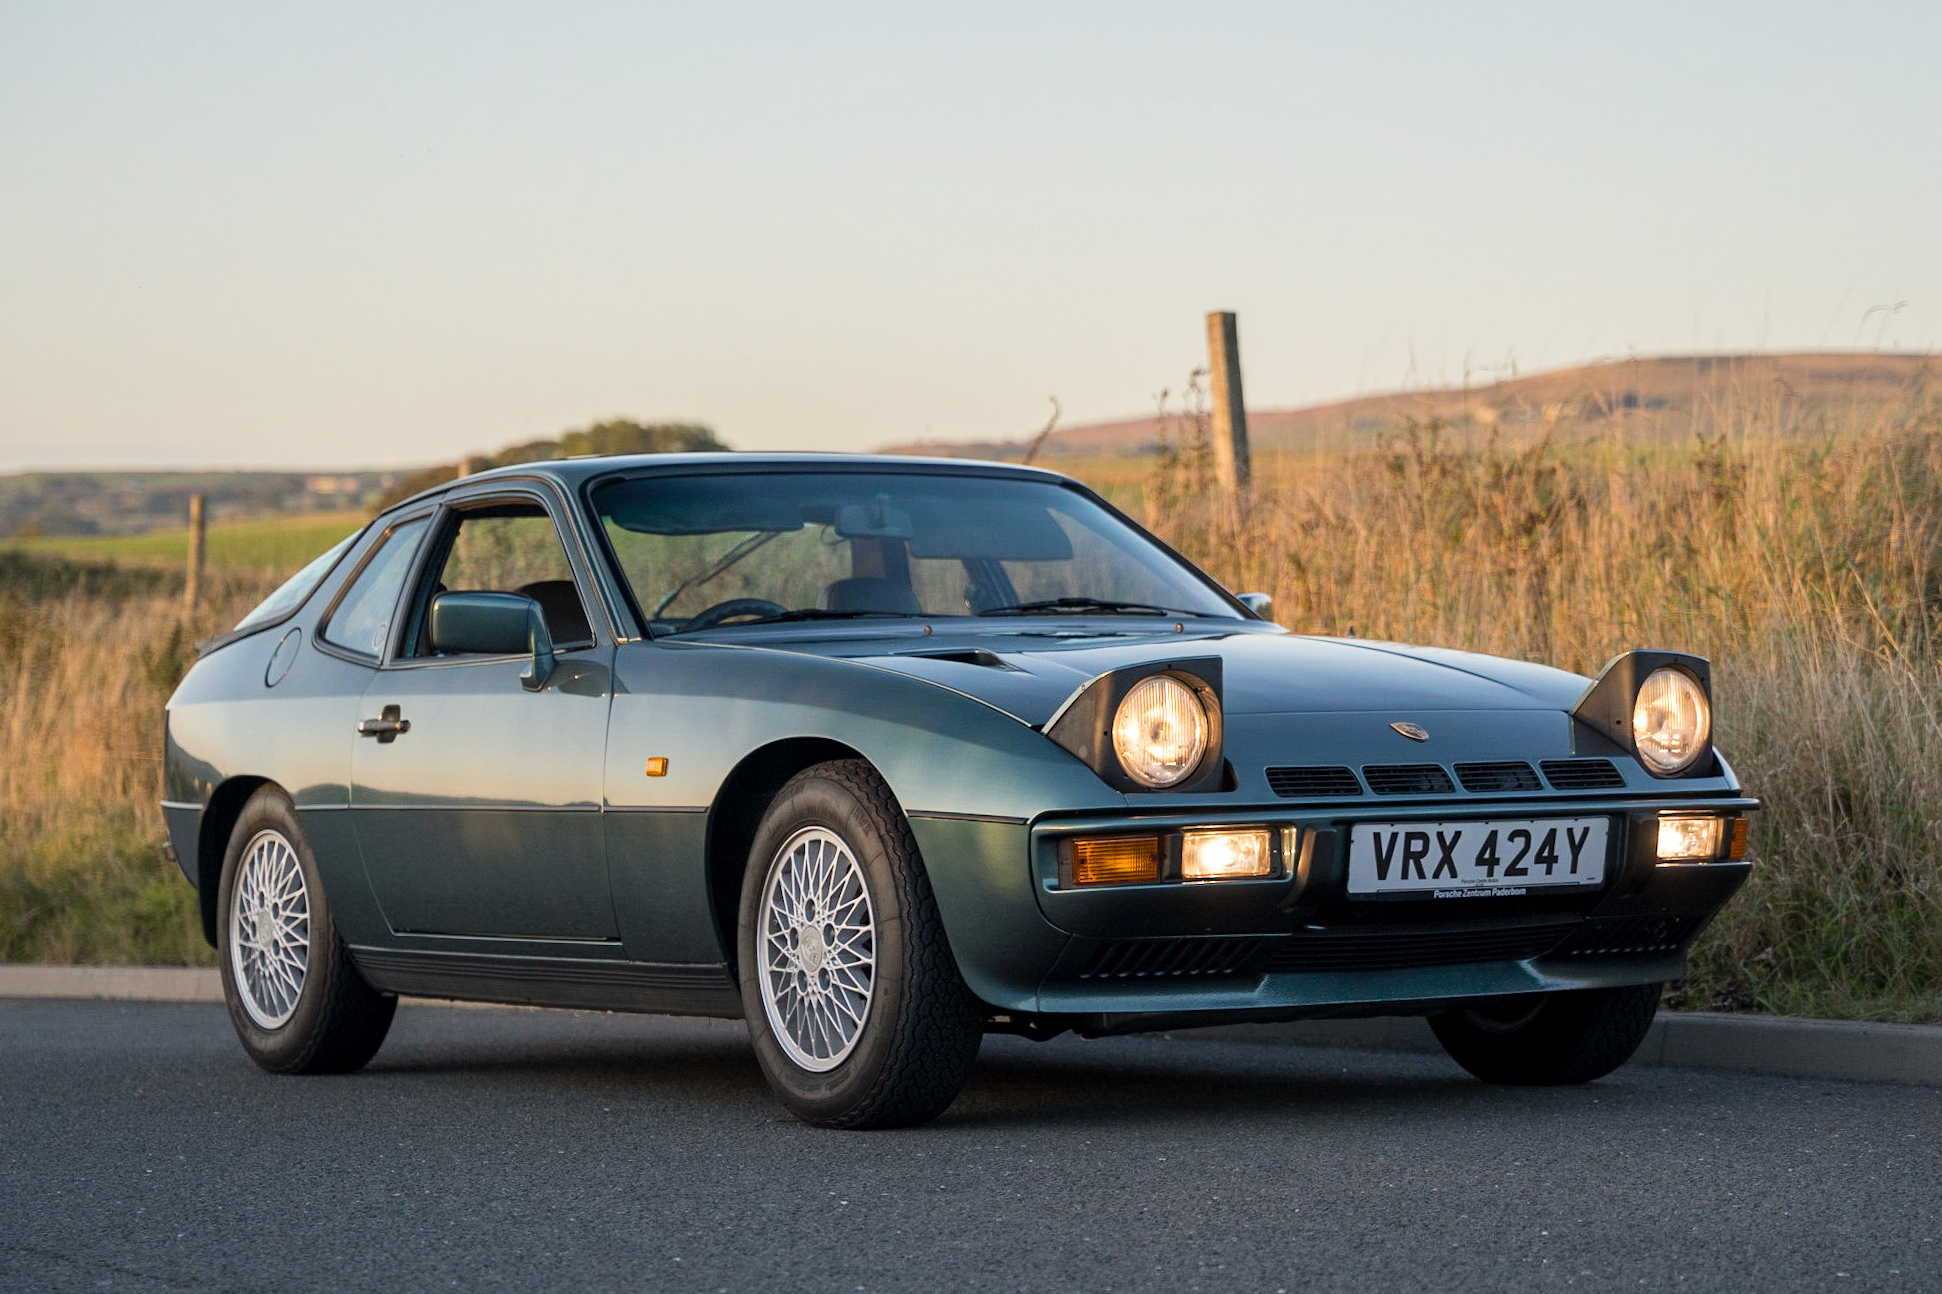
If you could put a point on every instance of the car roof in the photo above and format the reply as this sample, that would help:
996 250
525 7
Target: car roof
571 473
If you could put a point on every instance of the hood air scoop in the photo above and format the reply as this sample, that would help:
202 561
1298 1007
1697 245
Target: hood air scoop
964 656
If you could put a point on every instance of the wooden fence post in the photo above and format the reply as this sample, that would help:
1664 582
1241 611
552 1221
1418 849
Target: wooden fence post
1230 411
198 536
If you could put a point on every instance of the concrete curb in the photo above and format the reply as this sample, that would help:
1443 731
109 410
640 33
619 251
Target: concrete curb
147 984
1753 1044
118 983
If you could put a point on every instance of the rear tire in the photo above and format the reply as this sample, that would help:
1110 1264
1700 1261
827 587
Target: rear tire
1551 1039
297 1001
858 1013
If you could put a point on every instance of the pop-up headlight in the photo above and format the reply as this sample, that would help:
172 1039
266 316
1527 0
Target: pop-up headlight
1657 705
1149 728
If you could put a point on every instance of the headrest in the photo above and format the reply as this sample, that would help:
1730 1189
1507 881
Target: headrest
869 593
566 619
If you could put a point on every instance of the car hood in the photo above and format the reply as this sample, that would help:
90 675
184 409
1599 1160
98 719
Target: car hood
1030 671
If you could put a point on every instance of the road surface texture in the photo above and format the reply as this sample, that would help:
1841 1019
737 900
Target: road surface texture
501 1149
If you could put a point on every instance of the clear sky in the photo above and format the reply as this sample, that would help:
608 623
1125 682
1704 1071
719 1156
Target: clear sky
343 234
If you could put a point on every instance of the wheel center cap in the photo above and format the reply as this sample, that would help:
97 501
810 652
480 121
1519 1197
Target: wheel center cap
265 927
810 946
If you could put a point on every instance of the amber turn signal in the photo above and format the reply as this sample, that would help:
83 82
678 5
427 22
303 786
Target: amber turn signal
1115 860
1736 851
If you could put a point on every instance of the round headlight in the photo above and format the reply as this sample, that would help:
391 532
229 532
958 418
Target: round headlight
1160 731
1671 720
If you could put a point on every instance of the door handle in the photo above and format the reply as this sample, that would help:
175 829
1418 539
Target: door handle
385 728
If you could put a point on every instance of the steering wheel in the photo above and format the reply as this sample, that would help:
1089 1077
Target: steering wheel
723 612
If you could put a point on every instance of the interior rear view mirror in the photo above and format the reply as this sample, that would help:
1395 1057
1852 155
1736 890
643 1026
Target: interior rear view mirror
877 519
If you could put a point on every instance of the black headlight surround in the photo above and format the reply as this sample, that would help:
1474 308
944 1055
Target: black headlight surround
1084 726
1606 706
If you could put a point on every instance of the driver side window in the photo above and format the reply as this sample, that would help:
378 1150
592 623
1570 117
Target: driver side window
510 547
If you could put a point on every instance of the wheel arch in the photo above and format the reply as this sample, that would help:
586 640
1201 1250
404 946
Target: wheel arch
736 813
212 843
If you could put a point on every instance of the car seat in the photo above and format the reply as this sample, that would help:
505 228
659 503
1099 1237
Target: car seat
559 601
869 593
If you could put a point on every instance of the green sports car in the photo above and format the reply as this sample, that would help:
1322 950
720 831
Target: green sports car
884 754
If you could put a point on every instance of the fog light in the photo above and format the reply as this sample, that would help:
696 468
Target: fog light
1221 855
1689 840
1115 860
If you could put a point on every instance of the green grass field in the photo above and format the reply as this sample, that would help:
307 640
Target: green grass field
262 544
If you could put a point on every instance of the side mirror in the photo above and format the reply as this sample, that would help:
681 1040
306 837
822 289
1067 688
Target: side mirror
494 624
1258 603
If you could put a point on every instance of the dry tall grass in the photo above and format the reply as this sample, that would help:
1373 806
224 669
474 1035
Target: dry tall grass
1809 567
1805 566
85 665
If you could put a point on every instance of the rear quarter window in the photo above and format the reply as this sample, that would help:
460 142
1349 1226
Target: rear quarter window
291 593
363 618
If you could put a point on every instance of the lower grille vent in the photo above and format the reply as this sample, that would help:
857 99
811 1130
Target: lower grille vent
1582 774
1139 958
1511 775
1631 935
1408 779
1403 948
1313 783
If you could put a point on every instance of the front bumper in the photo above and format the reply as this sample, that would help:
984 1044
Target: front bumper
1175 954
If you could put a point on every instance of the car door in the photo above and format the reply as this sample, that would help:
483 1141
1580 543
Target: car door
478 802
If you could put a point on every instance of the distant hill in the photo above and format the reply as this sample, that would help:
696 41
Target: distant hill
68 505
615 436
49 504
1666 395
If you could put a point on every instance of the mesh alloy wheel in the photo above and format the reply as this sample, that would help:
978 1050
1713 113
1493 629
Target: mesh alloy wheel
856 1008
818 937
269 930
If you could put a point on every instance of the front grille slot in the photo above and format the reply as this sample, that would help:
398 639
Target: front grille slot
1582 774
1509 775
1403 948
1313 783
1141 958
1408 779
1631 935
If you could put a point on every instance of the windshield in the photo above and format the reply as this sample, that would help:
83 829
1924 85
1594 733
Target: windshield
291 593
749 547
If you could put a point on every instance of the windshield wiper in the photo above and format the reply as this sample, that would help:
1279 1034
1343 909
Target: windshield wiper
1085 604
816 613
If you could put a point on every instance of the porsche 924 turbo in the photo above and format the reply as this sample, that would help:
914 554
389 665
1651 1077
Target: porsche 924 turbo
883 754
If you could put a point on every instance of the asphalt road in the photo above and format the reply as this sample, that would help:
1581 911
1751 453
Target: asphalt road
488 1149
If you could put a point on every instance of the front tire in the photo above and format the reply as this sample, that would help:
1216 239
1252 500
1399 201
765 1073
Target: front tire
855 1006
1550 1040
296 1000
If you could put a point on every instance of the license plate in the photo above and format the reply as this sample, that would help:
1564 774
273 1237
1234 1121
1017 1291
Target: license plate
1453 860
